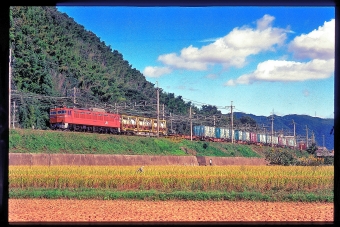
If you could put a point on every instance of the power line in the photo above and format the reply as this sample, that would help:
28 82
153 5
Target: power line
201 103
127 108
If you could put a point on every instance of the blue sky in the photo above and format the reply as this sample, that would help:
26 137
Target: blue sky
262 59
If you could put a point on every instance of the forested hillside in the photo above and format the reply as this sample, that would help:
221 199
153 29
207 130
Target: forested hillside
55 61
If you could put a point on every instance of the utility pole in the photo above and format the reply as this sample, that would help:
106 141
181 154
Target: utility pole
232 122
323 141
171 122
13 120
313 138
272 120
294 133
157 110
163 111
294 129
190 125
214 120
306 136
9 88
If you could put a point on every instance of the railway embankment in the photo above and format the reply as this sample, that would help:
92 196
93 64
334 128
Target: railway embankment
61 142
47 147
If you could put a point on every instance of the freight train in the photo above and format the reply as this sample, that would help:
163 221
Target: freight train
225 134
98 120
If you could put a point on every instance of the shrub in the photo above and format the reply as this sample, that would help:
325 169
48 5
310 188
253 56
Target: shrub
328 161
311 160
280 157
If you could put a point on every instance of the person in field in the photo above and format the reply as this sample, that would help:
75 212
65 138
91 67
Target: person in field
140 170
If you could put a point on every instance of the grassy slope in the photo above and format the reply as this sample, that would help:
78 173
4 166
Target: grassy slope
46 141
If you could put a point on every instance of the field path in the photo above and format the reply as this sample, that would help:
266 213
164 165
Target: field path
62 210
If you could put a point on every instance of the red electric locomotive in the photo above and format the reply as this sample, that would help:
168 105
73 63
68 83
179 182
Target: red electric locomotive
86 120
98 120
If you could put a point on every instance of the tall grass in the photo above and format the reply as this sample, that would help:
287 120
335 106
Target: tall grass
175 178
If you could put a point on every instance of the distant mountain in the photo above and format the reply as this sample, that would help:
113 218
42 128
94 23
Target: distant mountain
320 127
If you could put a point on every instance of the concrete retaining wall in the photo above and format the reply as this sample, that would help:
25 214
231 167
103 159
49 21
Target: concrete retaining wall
225 161
91 159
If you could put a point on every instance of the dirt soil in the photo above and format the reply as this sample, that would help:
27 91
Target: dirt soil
62 210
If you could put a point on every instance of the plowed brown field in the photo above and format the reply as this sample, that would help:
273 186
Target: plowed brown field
61 210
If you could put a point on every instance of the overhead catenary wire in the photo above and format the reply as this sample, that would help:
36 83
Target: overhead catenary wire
126 108
200 104
131 108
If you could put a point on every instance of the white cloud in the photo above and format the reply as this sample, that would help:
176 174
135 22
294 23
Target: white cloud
209 40
317 44
231 50
156 71
176 62
287 71
265 22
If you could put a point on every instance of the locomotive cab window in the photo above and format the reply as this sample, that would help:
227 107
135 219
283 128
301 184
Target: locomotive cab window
61 111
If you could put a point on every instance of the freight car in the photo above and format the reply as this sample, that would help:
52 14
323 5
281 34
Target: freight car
221 134
98 120
134 125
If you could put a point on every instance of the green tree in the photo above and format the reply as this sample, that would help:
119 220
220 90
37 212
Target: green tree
247 120
209 110
312 149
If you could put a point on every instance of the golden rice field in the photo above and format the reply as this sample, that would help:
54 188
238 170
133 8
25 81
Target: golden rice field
175 178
